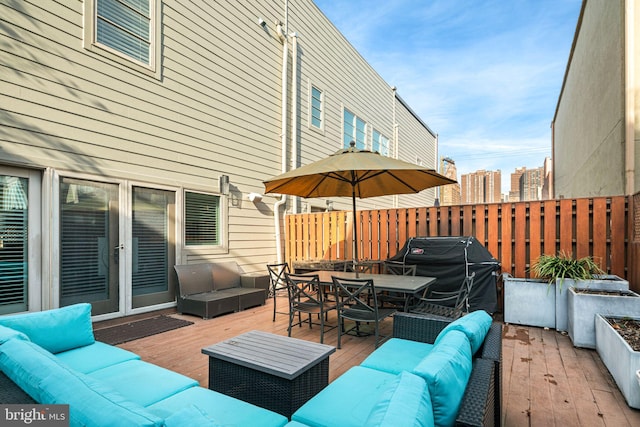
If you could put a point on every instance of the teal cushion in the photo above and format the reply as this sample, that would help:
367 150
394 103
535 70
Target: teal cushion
55 330
142 382
92 403
222 409
475 326
95 356
27 364
189 416
347 401
397 355
7 333
447 369
405 402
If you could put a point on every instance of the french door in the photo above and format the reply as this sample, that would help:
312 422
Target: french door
117 245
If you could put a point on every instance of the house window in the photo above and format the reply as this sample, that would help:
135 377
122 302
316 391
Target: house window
380 143
126 29
317 115
202 219
355 129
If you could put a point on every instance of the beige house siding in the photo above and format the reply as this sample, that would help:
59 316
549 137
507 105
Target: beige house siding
214 107
589 124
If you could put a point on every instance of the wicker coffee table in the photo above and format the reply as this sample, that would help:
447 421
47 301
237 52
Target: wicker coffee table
274 372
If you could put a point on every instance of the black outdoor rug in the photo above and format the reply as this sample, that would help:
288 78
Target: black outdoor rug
139 329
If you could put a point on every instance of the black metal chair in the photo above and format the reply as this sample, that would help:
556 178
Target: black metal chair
396 299
277 281
447 305
358 302
307 296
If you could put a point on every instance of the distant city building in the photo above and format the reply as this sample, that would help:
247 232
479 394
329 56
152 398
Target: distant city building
514 192
547 182
481 187
531 184
449 194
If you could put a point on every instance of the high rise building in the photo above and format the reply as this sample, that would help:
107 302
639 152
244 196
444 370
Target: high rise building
531 184
514 192
449 194
481 187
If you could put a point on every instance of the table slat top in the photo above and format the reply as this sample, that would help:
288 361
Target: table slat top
273 354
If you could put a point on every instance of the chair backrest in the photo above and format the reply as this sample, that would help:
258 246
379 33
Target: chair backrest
194 278
305 288
359 266
451 304
399 268
225 275
277 277
356 294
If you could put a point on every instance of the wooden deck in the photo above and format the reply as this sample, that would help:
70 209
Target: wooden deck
546 381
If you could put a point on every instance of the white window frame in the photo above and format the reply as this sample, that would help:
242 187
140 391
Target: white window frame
353 137
321 109
380 137
90 42
223 246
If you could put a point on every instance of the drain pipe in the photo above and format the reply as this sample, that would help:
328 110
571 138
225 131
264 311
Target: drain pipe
285 83
294 111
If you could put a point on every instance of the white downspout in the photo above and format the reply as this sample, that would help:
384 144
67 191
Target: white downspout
294 110
283 136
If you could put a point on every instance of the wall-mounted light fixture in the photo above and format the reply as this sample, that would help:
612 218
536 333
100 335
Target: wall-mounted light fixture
262 23
254 197
223 182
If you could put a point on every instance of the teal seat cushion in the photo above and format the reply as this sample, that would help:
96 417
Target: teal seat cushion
190 416
475 326
397 355
7 333
446 370
142 382
222 409
55 330
347 401
27 364
92 403
95 356
405 403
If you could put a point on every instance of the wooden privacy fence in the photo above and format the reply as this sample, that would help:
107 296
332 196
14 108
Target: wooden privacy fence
515 233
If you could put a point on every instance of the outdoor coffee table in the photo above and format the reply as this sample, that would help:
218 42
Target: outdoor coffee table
274 372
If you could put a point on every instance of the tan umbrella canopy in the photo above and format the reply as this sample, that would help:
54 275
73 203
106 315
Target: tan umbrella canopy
356 173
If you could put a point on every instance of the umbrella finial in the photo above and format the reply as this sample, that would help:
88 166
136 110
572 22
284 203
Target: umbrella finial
352 144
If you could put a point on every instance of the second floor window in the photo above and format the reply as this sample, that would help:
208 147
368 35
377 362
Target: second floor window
316 107
380 143
125 26
355 129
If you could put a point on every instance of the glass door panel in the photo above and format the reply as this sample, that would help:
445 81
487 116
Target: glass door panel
14 267
89 244
153 246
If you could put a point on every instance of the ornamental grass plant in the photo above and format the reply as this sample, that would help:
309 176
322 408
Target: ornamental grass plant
564 266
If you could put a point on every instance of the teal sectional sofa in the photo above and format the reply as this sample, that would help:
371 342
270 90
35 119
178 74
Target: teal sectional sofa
53 356
433 372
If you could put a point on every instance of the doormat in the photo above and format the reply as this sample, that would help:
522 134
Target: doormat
139 329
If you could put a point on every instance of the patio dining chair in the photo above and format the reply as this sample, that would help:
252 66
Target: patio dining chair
397 299
358 302
307 297
449 304
277 281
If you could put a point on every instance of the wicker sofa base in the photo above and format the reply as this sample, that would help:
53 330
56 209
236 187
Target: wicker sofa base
11 393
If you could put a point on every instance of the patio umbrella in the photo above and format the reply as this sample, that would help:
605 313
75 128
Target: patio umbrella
355 173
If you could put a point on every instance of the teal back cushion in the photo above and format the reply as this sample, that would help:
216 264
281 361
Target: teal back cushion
446 370
405 402
7 333
475 326
55 330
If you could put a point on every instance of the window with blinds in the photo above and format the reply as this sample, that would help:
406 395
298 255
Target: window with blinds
13 244
202 219
125 26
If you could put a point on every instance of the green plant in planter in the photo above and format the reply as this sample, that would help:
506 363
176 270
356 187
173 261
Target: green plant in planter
564 266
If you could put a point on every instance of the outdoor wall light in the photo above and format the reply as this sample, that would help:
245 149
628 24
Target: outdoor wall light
255 197
223 182
262 23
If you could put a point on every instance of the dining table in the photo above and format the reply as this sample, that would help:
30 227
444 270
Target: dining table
410 286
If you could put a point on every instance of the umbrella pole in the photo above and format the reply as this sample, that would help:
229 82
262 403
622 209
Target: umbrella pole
355 234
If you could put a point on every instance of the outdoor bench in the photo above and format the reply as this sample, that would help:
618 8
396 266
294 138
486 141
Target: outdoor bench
211 289
433 372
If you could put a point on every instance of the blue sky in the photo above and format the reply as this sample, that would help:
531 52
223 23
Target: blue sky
485 75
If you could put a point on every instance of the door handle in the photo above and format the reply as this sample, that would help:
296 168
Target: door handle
116 253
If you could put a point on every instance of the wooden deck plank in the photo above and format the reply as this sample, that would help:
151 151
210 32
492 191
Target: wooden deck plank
546 381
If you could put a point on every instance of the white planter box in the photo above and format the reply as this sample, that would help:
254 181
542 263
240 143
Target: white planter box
622 362
582 310
529 302
608 281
